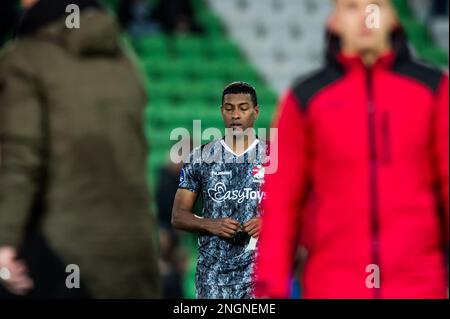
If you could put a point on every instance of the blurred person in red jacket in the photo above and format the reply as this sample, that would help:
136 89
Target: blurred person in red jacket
366 138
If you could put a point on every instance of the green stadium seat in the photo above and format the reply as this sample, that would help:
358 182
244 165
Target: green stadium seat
160 90
220 47
417 33
188 45
146 44
434 55
402 7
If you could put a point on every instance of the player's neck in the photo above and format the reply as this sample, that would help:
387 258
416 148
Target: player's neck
240 143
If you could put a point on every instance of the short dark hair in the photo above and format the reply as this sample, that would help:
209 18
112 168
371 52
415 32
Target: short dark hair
240 88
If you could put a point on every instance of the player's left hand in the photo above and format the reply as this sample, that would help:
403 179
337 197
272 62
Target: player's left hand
253 226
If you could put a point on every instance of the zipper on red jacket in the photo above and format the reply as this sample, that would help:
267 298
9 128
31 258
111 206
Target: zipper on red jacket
373 178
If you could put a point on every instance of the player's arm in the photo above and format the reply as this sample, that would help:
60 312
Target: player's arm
183 217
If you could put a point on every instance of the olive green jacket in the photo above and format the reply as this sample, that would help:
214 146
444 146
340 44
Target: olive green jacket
73 152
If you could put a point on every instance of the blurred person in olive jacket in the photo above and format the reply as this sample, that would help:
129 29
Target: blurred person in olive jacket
73 158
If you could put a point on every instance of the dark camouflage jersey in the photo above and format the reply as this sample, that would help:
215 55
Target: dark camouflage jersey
230 187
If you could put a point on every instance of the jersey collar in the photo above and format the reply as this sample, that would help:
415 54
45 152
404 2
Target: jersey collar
253 145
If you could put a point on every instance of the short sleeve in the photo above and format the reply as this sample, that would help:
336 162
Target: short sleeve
190 176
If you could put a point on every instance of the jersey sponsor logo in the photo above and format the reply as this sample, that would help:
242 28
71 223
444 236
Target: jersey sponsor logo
220 193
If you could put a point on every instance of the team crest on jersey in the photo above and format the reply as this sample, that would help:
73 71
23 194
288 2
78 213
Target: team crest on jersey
258 173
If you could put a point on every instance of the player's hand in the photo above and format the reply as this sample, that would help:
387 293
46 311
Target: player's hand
253 227
14 273
223 227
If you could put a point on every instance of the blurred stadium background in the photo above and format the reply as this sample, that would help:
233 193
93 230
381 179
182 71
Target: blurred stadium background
188 52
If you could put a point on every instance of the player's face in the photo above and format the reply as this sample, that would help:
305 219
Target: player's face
238 112
355 22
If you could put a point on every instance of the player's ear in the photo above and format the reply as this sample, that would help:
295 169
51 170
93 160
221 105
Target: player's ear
256 111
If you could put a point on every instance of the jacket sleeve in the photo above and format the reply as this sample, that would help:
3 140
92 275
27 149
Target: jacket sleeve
281 206
20 145
440 149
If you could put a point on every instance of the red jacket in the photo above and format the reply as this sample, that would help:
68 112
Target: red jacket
370 148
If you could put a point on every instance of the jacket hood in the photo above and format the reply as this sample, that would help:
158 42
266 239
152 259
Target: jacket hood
46 20
399 44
